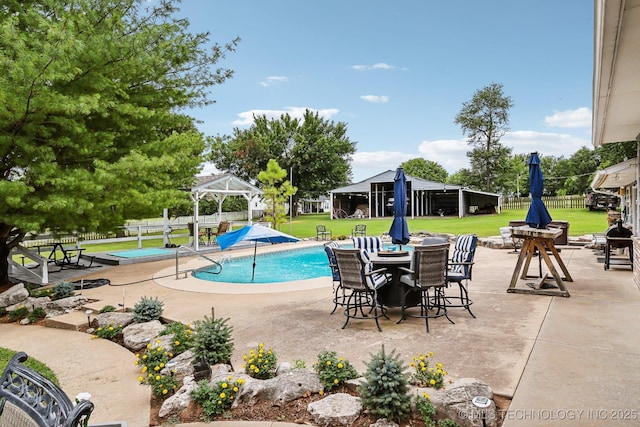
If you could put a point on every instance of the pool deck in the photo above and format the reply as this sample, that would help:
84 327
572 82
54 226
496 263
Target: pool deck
548 353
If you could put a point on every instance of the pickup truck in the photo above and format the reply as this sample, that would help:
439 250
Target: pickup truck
600 201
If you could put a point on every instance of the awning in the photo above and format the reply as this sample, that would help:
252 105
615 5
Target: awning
616 176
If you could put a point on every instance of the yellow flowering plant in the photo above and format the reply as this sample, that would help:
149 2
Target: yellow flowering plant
333 370
182 336
216 400
260 362
426 375
110 332
151 364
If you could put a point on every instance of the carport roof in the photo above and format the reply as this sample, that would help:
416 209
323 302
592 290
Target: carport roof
388 176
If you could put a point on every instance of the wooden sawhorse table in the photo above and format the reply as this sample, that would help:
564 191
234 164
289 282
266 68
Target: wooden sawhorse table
538 242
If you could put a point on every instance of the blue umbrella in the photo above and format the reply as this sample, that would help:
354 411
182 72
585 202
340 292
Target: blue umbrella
538 216
253 233
399 230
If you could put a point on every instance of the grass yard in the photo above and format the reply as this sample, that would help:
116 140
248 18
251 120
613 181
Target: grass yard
581 222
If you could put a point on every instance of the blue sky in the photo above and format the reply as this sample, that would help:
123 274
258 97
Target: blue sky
397 72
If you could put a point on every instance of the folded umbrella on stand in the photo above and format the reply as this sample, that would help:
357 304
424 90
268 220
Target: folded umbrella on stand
399 230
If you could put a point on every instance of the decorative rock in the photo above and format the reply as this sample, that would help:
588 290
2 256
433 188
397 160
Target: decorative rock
103 320
281 389
14 295
137 335
183 365
455 402
383 422
25 321
283 368
340 409
180 400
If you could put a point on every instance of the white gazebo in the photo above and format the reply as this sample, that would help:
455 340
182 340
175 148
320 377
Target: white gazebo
218 187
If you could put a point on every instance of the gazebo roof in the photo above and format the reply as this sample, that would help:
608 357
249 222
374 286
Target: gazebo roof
227 184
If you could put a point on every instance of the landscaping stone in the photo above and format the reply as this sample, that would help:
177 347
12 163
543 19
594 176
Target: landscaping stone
340 409
137 335
280 389
103 320
14 295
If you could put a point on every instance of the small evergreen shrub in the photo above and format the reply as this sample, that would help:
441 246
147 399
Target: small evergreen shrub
18 314
260 363
182 336
63 290
216 400
213 341
332 370
153 360
37 314
385 389
147 309
107 309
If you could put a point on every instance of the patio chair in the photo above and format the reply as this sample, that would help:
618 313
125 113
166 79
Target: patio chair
223 227
322 233
370 244
27 399
361 282
359 230
427 276
460 269
339 295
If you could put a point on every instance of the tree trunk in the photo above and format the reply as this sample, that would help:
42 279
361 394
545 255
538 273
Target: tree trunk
4 264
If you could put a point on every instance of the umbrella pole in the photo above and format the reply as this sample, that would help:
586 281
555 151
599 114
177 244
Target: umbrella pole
253 271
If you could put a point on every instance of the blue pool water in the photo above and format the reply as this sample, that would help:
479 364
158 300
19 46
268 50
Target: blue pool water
283 266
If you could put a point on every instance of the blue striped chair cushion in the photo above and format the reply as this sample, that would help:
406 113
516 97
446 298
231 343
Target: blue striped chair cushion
332 261
463 251
374 281
371 244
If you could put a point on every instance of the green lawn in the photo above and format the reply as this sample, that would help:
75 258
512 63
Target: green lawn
6 355
581 221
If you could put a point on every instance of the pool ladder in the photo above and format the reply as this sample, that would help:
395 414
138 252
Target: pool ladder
217 265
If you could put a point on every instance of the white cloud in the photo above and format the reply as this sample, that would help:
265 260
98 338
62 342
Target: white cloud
580 118
246 117
451 154
378 66
375 99
545 143
272 80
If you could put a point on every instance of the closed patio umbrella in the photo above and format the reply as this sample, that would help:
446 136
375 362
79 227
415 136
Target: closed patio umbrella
399 230
538 216
253 233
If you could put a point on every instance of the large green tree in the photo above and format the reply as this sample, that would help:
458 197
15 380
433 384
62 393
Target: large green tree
425 169
484 120
315 151
91 132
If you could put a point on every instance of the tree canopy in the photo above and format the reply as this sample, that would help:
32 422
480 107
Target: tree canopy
425 169
318 150
484 120
91 132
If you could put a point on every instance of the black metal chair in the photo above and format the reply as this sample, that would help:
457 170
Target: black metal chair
427 276
361 282
339 295
27 399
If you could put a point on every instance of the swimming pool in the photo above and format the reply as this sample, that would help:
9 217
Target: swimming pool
283 266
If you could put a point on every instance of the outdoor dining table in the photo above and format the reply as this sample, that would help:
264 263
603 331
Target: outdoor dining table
392 294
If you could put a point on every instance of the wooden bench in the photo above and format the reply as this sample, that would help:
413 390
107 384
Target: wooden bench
27 399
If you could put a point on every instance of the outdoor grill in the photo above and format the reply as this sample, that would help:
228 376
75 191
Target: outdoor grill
618 237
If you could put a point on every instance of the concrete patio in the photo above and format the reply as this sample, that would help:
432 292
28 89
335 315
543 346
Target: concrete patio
564 361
